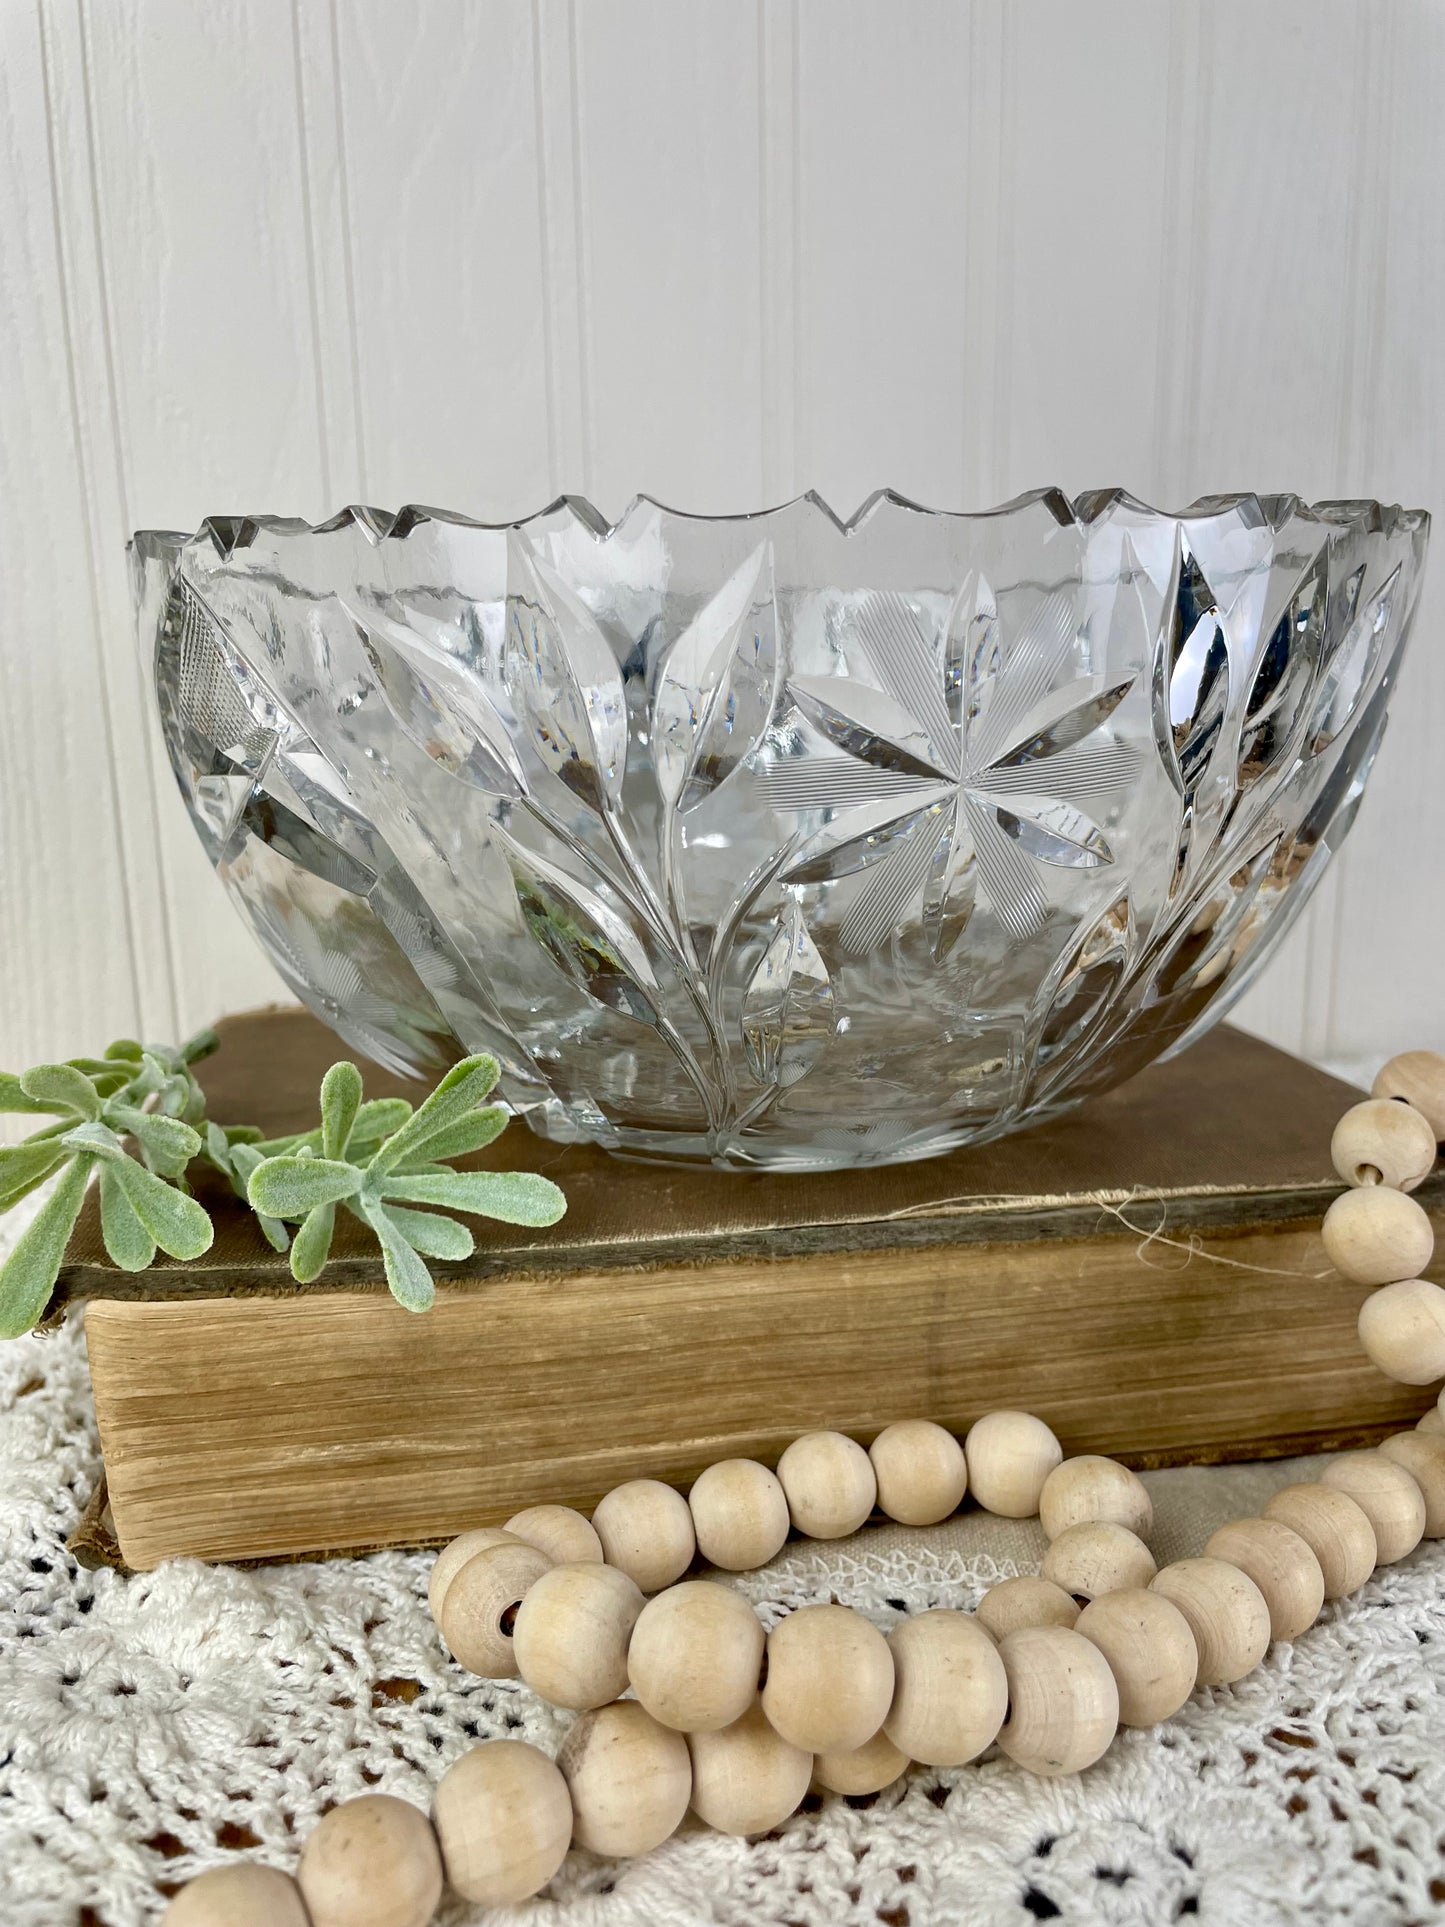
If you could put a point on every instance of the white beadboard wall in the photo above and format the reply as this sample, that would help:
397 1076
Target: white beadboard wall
285 254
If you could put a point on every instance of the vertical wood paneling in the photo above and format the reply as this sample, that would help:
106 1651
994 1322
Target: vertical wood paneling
668 165
882 230
286 253
440 155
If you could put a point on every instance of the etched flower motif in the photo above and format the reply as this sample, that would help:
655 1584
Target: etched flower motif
956 778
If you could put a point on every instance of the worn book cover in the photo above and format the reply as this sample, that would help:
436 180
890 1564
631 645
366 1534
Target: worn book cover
1146 1274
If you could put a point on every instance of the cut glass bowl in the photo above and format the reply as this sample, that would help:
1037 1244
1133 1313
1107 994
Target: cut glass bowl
777 840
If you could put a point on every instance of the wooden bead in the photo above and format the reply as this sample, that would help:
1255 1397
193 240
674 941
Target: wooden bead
1334 1528
867 1769
1423 1458
1431 1422
480 1606
371 1862
696 1653
1150 1650
830 1483
567 1538
572 1633
1025 1601
1387 1495
1417 1076
1227 1615
1062 1700
629 1777
246 1895
1376 1236
746 1778
1010 1456
829 1679
1381 1142
921 1471
1090 1490
1283 1566
503 1816
1085 1561
1402 1328
739 1513
646 1532
450 1560
950 1694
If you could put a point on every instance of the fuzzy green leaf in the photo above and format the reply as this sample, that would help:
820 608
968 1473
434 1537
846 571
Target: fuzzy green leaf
472 1133
407 1276
340 1102
56 1087
199 1046
168 1144
126 1238
127 1048
432 1235
28 1275
460 1092
23 1166
96 1140
174 1219
240 1134
290 1187
515 1197
311 1246
14 1100
244 1158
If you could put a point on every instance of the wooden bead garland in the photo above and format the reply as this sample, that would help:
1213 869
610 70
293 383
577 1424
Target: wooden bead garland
371 1862
1010 1456
829 1680
1281 1564
830 1484
479 1605
566 1537
1026 1601
1227 1615
921 1470
1089 1560
1387 1495
646 1530
1062 1700
1090 1490
746 1778
630 1780
503 1817
739 1514
561 1600
1418 1078
1150 1650
950 1692
571 1635
695 1656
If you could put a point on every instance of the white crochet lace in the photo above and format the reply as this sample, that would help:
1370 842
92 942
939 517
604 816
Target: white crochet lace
152 1726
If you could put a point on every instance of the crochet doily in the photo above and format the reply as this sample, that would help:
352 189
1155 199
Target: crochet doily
152 1726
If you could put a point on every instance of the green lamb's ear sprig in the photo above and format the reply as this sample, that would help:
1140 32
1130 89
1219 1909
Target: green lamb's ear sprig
380 1179
98 1101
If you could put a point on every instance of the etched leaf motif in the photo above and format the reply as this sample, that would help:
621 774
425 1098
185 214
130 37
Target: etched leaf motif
787 1011
862 836
1351 668
1283 677
951 892
564 681
588 941
1192 672
868 724
443 712
715 695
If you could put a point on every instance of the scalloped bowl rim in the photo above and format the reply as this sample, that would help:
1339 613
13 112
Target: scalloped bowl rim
228 532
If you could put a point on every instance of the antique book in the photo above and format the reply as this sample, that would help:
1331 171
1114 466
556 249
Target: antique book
1146 1274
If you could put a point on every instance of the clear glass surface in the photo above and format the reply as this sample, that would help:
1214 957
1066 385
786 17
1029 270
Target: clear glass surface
773 839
